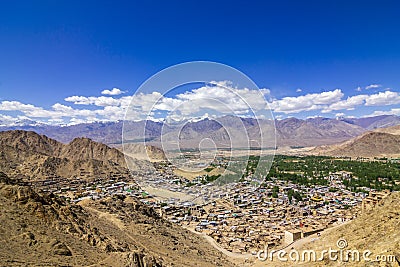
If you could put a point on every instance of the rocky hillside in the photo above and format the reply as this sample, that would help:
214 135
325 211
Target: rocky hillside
30 143
383 142
39 157
390 130
43 230
84 148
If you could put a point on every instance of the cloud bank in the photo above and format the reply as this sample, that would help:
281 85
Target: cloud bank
208 100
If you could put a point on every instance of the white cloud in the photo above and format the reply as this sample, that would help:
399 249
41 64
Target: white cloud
101 101
114 91
220 98
373 86
298 90
306 102
349 104
78 100
359 89
27 109
380 99
145 102
214 100
63 108
57 112
16 106
383 99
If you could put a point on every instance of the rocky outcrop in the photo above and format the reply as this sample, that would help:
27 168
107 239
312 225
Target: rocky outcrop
137 259
35 156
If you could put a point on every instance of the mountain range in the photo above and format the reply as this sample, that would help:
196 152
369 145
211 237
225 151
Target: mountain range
288 132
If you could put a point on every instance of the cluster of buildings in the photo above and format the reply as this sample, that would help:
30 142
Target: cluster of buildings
78 188
244 219
238 216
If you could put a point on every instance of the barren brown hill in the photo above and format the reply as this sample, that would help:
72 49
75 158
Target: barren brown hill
383 142
391 130
39 157
43 230
85 148
28 142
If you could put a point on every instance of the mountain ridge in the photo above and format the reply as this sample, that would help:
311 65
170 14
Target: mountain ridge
382 142
289 132
36 156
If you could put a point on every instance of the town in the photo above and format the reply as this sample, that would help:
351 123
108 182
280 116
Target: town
239 216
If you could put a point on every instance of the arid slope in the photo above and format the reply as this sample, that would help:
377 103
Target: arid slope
43 230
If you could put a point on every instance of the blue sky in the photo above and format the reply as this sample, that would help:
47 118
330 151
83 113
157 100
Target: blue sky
52 50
